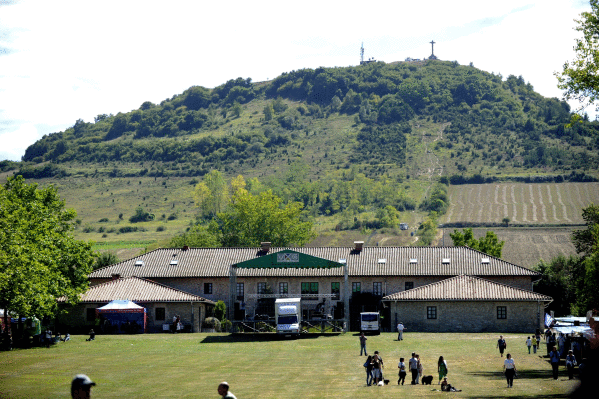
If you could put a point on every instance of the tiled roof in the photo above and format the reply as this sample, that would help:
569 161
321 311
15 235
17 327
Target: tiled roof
137 290
371 261
467 288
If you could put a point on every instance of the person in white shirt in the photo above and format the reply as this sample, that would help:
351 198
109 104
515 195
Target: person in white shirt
400 329
509 368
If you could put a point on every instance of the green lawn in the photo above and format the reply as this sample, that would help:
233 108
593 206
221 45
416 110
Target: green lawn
192 365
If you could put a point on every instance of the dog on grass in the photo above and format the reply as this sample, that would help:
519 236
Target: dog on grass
427 380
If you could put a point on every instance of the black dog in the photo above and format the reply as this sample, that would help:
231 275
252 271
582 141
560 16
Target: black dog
427 380
386 382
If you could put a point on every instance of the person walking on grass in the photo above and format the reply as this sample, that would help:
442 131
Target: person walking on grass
377 368
570 364
442 368
528 344
534 344
501 344
413 363
363 344
402 371
400 328
509 368
554 359
368 366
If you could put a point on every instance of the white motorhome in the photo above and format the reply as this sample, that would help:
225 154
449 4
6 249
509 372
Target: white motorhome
370 323
288 315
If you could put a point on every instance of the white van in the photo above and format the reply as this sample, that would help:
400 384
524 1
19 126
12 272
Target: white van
370 323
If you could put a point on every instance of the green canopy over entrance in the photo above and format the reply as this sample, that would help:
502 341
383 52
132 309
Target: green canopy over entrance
288 259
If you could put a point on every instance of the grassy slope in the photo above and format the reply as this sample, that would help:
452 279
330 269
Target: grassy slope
192 365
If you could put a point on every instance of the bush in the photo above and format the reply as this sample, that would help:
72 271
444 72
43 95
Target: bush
211 322
220 310
226 325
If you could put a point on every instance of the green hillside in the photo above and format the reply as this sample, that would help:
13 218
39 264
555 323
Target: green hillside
346 142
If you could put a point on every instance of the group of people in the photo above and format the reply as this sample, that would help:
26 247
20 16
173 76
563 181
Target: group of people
533 343
374 369
374 366
47 339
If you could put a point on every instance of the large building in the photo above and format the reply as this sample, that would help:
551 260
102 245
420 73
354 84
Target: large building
326 277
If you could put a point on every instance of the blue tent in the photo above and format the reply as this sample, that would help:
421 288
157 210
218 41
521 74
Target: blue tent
125 314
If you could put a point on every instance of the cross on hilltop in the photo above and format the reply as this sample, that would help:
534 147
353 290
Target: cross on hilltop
432 57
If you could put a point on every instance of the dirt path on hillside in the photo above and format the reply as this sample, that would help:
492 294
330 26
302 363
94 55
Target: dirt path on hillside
431 165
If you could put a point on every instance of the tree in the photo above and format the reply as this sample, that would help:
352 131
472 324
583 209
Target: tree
39 259
574 282
212 194
560 279
236 110
220 310
268 112
141 216
198 236
106 259
252 219
488 244
580 78
585 240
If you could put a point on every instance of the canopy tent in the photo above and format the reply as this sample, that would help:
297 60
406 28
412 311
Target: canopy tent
123 316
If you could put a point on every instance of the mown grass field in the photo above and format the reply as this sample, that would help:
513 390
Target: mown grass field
192 365
526 246
537 204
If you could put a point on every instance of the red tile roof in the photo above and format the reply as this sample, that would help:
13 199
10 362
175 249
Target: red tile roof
137 290
466 288
399 261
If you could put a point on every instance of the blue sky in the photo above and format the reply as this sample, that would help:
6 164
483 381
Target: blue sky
63 60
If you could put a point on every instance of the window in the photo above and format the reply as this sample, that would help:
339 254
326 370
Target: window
431 312
356 287
502 312
261 288
377 288
160 314
336 291
283 288
91 314
409 285
208 288
309 289
240 293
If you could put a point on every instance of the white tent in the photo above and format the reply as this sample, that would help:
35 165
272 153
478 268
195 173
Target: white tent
121 304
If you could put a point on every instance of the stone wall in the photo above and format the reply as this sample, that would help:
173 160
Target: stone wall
468 316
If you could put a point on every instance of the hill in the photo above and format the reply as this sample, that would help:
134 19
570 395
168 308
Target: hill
346 142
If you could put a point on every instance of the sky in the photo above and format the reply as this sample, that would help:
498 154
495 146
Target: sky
64 60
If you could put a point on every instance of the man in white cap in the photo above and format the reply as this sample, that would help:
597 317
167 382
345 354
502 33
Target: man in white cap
81 387
223 390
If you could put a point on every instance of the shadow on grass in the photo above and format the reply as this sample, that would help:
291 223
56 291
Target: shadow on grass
522 375
500 395
258 337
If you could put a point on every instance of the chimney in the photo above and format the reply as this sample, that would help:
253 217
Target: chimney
358 245
116 276
265 246
185 247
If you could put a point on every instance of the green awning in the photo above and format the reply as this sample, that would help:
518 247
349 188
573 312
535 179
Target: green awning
288 260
